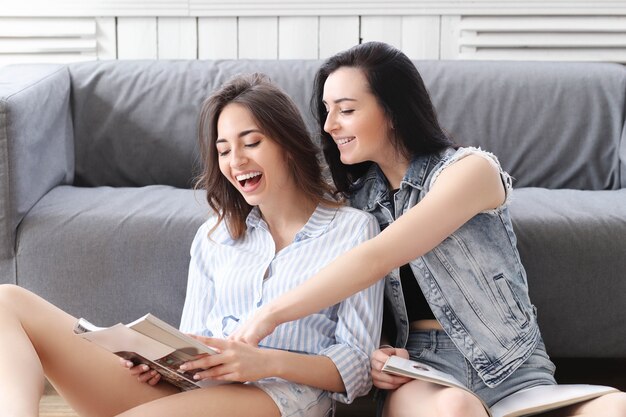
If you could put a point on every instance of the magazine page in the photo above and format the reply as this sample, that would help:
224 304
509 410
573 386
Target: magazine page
413 369
544 398
120 338
138 343
418 370
156 328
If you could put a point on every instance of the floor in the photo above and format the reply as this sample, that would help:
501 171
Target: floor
592 371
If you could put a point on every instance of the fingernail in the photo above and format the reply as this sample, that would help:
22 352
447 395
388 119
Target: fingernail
183 367
144 367
196 377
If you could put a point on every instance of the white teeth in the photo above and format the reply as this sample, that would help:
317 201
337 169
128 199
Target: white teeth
344 141
247 176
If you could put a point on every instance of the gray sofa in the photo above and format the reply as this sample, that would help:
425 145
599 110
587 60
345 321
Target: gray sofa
97 160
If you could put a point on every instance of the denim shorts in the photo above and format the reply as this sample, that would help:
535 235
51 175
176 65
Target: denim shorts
435 348
297 400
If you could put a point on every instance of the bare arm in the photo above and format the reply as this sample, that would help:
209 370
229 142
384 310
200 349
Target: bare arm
241 362
462 190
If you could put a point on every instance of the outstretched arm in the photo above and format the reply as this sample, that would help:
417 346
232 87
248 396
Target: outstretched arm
461 191
240 362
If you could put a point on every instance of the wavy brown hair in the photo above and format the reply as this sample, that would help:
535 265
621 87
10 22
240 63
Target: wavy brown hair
279 120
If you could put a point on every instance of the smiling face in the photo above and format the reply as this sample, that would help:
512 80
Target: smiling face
253 163
355 119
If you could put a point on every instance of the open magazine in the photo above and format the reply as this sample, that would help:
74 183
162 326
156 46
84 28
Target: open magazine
152 342
526 402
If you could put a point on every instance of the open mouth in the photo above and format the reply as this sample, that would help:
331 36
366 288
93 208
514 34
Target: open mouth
344 141
249 180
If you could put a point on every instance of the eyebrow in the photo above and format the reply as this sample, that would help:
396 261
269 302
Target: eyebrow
240 135
340 100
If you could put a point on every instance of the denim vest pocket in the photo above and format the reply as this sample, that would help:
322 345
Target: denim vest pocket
511 301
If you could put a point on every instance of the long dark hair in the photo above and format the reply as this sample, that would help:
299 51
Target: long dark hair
280 120
400 91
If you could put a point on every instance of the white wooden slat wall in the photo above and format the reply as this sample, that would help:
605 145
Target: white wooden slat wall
137 38
177 38
217 38
53 40
434 36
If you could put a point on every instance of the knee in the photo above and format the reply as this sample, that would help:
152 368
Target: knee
616 403
458 403
12 297
428 400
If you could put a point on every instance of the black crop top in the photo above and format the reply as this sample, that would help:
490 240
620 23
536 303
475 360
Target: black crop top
417 307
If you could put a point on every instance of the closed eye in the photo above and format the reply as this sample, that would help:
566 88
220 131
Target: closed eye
252 145
348 111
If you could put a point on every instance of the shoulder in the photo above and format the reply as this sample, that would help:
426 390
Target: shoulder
205 235
473 170
353 219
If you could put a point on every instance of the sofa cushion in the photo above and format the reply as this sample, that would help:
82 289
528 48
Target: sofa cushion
516 110
135 122
111 254
572 245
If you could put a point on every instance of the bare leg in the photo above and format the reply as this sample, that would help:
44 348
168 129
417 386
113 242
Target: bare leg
37 339
610 405
232 400
424 399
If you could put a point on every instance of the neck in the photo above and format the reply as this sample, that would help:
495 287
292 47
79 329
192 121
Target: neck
394 169
286 216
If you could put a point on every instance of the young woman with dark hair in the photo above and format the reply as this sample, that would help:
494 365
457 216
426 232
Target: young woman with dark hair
457 292
275 215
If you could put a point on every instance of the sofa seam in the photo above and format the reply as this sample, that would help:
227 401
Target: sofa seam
8 97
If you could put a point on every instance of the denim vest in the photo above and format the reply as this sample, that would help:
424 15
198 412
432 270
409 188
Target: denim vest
473 281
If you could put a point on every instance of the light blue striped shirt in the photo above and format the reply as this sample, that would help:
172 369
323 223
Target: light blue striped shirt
226 284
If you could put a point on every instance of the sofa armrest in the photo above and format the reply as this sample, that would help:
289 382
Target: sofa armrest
36 146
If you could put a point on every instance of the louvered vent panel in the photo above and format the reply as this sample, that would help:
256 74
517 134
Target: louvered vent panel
569 38
47 40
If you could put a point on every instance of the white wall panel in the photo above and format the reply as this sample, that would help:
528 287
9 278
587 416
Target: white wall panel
258 37
571 38
137 38
421 36
450 35
28 39
382 28
217 38
106 36
177 38
298 37
337 33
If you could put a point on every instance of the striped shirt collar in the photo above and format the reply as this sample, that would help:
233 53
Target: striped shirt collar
315 226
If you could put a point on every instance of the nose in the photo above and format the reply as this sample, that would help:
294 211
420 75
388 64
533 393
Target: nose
330 123
237 158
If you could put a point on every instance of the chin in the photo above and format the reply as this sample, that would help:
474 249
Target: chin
348 160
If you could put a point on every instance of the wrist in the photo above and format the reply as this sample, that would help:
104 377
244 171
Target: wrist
271 315
272 363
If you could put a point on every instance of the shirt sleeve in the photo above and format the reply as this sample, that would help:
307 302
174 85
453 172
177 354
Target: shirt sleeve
199 299
359 321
